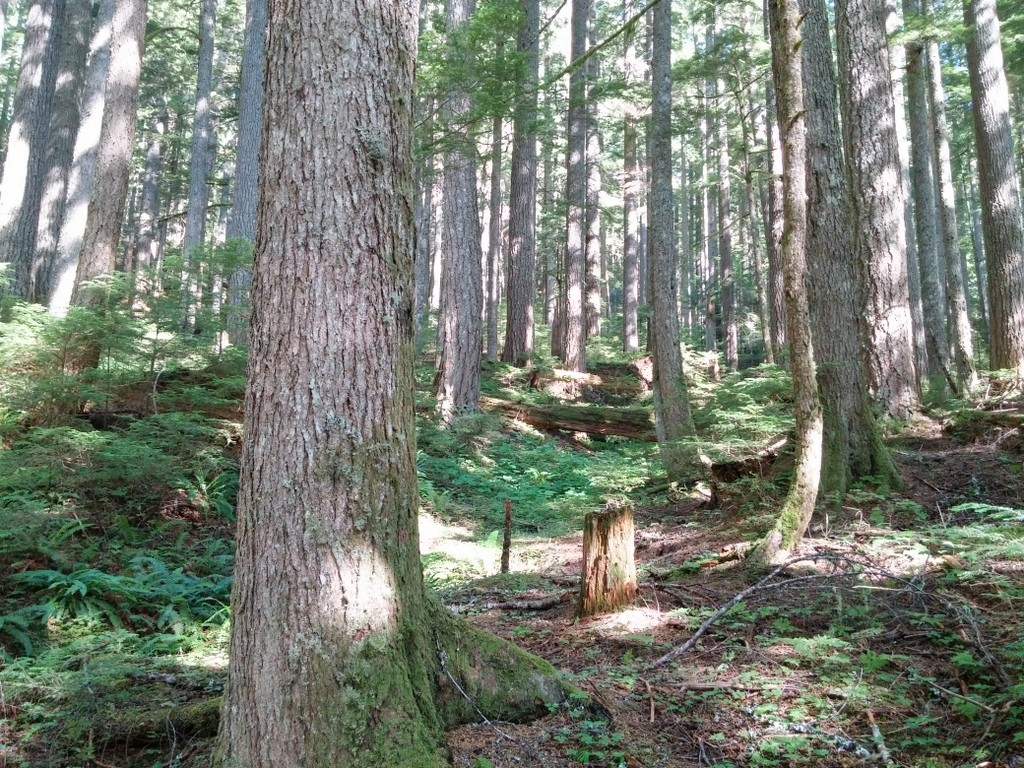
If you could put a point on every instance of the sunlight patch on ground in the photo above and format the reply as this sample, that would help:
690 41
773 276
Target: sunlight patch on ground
629 621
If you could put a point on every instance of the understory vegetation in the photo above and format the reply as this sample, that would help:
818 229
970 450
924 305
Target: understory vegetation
893 639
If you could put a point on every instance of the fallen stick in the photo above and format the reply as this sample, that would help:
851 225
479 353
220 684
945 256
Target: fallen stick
876 734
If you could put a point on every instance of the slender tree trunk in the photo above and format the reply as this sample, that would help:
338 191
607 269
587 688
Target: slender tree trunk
978 246
923 186
673 419
999 187
24 167
522 220
113 163
959 322
803 492
685 249
459 331
727 276
65 119
772 205
338 657
200 164
631 184
869 135
576 193
551 250
494 241
149 208
424 233
593 205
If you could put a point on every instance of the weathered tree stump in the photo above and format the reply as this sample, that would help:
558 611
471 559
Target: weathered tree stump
609 572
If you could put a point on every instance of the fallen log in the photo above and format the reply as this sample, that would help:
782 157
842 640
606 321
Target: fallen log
635 423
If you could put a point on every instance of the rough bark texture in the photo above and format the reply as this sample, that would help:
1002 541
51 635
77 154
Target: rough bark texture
869 135
23 175
727 278
787 68
609 570
149 205
337 656
673 418
82 176
574 326
459 326
978 246
999 187
593 205
956 297
852 445
247 177
64 121
774 222
113 163
522 218
923 188
494 241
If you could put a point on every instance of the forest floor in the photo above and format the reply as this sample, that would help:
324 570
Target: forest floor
895 640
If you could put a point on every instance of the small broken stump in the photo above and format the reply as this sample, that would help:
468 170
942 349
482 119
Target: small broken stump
609 570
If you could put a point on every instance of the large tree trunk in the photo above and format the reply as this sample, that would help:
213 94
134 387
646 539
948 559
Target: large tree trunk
64 122
631 186
673 418
522 216
999 187
727 279
869 135
798 507
593 205
82 175
773 231
494 241
22 186
852 445
459 326
337 655
113 164
572 310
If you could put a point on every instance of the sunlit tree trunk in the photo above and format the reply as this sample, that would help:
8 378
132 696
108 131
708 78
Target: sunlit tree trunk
798 507
338 657
978 246
82 174
999 187
522 218
24 166
631 183
869 136
113 163
493 242
727 275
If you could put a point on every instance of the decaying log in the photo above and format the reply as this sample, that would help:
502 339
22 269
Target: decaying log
609 571
635 423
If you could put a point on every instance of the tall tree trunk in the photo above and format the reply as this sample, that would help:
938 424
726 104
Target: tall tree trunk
149 207
24 167
113 163
338 656
200 164
522 217
959 322
242 223
727 276
978 247
459 331
424 232
575 354
494 241
869 136
999 187
803 492
64 122
673 418
923 187
593 205
852 445
772 204
551 249
710 256
685 248
82 176
632 182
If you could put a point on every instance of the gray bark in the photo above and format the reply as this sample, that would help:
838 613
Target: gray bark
727 276
494 242
593 204
631 185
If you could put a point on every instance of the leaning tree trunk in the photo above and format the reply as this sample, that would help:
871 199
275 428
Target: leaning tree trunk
113 164
999 187
798 507
673 418
459 326
869 136
852 443
522 215
338 657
